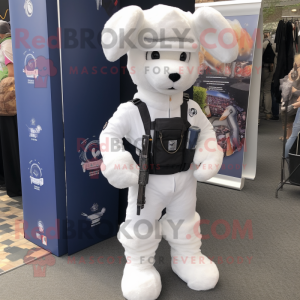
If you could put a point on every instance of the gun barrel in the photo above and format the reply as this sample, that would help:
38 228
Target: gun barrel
144 174
141 200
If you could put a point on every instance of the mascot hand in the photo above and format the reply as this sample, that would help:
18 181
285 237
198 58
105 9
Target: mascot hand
208 162
120 170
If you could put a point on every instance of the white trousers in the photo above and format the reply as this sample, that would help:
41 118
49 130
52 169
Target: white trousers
140 235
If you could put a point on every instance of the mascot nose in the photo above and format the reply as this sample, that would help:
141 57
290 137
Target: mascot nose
174 77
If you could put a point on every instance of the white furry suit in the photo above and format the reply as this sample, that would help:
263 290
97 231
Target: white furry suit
150 68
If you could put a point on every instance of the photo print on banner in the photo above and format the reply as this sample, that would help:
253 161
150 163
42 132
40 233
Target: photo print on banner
95 216
90 156
222 91
36 176
34 130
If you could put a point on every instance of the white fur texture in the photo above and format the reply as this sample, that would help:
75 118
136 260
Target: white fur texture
208 156
141 283
208 18
198 271
128 19
153 29
168 18
120 170
153 74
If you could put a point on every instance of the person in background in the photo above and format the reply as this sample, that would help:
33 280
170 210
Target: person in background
295 130
275 104
3 74
266 78
296 105
8 124
6 49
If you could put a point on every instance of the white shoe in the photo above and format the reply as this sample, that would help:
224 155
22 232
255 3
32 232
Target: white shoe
141 282
199 272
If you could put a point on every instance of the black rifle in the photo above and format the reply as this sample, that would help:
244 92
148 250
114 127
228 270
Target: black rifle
144 173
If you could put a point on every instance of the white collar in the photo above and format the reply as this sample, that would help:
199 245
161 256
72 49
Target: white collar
159 101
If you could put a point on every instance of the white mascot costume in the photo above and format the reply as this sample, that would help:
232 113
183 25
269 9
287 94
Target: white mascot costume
162 45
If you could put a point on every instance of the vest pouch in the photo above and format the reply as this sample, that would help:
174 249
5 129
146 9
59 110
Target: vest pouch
169 144
167 149
188 158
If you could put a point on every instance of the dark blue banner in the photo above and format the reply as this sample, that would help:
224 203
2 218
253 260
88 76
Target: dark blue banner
39 106
91 94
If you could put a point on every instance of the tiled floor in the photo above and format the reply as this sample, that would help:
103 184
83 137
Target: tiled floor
13 247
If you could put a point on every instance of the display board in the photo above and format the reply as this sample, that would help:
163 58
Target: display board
66 91
229 93
91 94
40 126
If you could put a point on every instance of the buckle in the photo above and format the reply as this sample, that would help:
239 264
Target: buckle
186 97
136 101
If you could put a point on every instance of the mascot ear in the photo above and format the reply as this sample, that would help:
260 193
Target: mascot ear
209 23
125 22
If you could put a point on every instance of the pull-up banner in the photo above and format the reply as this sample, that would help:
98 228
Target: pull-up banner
229 93
66 91
39 110
91 94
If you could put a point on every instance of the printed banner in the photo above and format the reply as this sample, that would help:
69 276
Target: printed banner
39 111
91 94
223 92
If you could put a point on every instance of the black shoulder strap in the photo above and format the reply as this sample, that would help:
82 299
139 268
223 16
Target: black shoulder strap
145 115
184 107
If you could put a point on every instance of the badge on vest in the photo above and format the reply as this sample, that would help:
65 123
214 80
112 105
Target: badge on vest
192 112
172 145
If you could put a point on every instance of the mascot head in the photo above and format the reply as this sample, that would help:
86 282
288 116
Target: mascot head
163 43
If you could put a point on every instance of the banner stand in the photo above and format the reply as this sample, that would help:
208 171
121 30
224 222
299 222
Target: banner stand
39 110
68 204
250 158
242 163
227 181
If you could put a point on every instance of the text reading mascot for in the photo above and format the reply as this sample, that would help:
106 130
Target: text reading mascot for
162 45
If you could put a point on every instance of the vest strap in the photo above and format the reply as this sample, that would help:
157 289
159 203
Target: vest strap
184 107
145 115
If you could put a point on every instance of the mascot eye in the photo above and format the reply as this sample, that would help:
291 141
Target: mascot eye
183 56
155 55
152 55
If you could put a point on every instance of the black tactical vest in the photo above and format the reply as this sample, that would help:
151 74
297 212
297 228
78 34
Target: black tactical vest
167 152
